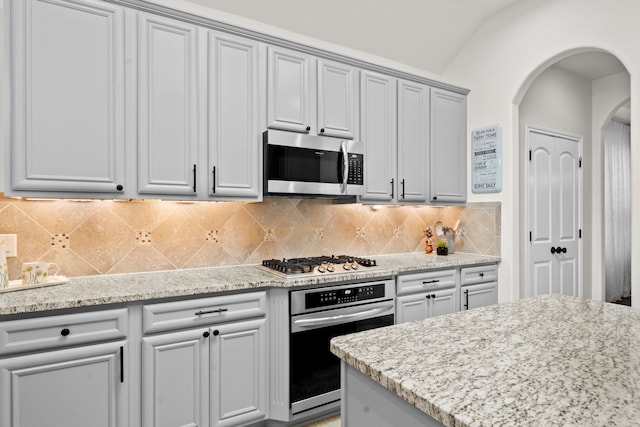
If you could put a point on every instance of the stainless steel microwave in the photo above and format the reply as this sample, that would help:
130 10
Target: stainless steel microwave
312 165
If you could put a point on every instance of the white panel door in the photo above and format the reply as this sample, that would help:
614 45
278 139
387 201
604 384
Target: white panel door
378 134
480 295
411 307
443 301
448 158
235 141
167 106
175 370
555 214
75 387
413 142
238 373
290 90
67 96
337 99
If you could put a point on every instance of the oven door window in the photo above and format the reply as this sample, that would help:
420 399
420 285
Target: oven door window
304 165
314 370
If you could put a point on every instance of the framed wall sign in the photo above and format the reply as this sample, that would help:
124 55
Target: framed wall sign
487 159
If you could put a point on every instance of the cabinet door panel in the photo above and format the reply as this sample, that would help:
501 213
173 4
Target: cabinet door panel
337 99
76 387
238 373
234 138
413 141
444 302
448 163
67 95
474 296
167 106
411 307
174 379
289 90
378 134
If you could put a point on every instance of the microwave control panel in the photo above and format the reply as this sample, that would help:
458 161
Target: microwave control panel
356 167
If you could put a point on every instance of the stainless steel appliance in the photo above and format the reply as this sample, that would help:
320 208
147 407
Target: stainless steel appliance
317 266
319 314
311 165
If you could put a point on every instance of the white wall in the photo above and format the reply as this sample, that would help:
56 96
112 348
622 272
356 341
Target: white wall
561 101
500 62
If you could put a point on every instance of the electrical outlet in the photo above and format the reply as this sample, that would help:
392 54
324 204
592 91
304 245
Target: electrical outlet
10 242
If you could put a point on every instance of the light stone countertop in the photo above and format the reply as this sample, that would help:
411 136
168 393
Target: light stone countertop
547 361
121 288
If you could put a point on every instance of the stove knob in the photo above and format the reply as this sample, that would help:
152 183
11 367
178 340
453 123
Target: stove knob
355 266
321 269
346 267
331 268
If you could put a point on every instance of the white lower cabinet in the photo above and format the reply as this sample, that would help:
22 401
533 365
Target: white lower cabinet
46 379
479 286
212 375
426 294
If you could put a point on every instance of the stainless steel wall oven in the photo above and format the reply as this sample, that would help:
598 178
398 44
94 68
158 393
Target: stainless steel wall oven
319 314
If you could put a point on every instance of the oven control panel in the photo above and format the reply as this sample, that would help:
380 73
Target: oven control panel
334 296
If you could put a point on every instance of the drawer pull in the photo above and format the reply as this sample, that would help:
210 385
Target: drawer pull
481 274
216 332
65 332
206 334
121 364
428 282
218 310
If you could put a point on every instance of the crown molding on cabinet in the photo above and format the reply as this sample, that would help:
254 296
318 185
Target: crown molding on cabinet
278 41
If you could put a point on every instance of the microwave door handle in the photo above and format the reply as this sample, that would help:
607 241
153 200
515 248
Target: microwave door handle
345 167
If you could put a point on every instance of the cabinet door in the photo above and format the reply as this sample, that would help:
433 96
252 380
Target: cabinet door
378 134
76 387
444 301
474 296
411 307
174 379
290 90
167 106
235 141
448 163
413 141
67 96
238 373
337 99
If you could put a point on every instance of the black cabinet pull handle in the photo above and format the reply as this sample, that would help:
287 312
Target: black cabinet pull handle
481 274
428 282
322 130
65 332
218 310
214 180
308 128
119 187
428 296
466 297
194 178
206 334
392 187
402 195
435 197
216 332
433 296
121 364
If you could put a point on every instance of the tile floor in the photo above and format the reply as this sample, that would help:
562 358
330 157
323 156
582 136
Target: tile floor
327 422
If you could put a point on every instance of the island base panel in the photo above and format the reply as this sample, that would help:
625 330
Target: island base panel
365 403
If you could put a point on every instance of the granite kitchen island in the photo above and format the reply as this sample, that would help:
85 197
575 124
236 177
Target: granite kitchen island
546 361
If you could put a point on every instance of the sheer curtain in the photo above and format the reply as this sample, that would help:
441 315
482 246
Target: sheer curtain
617 211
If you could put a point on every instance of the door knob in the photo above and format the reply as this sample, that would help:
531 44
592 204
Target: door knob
564 250
553 250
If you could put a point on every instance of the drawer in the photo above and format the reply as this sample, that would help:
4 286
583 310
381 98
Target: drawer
479 274
18 336
426 281
202 311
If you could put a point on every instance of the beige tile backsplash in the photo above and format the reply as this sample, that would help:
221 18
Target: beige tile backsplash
104 237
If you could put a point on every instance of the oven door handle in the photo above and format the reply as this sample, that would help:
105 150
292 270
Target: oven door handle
340 318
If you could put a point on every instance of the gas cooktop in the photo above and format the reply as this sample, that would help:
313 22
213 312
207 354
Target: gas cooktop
313 266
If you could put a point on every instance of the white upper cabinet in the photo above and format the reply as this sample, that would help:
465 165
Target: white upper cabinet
448 165
378 134
310 95
66 96
167 106
290 90
337 99
234 136
413 141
